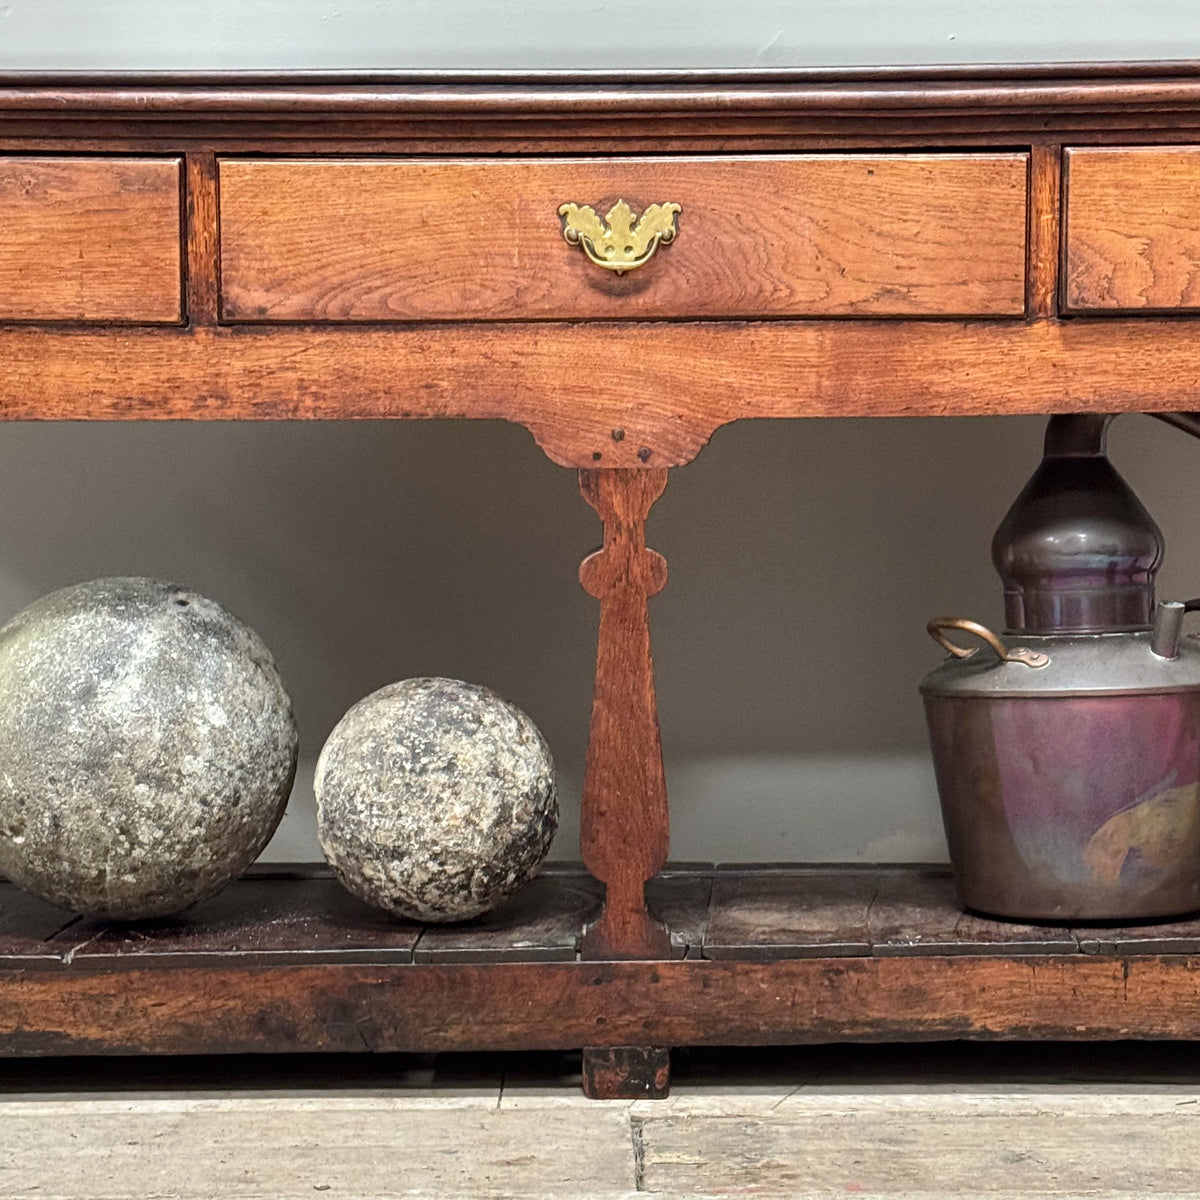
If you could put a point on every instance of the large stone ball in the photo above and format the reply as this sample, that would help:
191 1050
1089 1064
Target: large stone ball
436 799
147 747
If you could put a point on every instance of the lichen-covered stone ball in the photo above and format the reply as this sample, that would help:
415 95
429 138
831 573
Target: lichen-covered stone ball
147 747
436 799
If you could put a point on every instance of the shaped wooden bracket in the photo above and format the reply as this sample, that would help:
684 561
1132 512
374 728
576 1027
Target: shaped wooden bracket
625 823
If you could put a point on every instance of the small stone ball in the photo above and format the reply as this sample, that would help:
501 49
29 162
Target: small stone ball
436 799
147 748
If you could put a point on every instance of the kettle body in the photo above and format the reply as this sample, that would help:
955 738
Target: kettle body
1067 752
1070 788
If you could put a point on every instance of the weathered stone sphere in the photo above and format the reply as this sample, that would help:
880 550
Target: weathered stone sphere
147 747
436 799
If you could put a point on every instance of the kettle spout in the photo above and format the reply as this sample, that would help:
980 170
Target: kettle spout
1168 626
1077 435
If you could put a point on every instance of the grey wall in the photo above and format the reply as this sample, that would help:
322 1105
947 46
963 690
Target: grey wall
500 34
805 556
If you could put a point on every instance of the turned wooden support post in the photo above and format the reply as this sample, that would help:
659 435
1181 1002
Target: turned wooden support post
624 823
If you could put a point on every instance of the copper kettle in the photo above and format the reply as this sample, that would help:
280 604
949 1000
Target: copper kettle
1067 751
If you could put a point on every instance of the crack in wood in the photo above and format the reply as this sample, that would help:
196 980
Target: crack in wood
637 1138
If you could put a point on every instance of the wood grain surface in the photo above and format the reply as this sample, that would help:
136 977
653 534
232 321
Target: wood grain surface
543 922
90 239
656 112
1133 228
448 1140
626 1072
624 822
291 963
668 393
931 200
301 915
913 910
679 899
202 256
307 919
915 1139
776 914
831 235
1045 229
534 1006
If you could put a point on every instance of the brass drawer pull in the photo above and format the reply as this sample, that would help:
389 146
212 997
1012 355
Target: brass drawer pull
625 242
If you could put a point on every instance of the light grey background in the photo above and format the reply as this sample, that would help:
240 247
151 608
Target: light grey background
805 556
583 34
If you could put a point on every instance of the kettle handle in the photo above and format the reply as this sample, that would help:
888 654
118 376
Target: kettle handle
1018 654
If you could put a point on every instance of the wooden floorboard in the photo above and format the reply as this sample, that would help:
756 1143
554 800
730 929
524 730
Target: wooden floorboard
914 910
772 1135
254 920
311 1146
729 913
680 897
904 1144
773 914
542 923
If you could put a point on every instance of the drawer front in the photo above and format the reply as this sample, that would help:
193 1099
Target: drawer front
812 235
90 239
1132 228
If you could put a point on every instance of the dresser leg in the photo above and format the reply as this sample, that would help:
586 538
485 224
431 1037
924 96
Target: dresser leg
624 820
626 1072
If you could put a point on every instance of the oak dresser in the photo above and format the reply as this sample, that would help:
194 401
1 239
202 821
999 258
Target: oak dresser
621 265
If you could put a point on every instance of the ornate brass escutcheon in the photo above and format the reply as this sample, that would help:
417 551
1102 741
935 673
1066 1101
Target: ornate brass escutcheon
621 241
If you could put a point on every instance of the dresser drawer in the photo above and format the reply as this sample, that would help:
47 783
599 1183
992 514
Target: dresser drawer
90 239
1132 228
808 235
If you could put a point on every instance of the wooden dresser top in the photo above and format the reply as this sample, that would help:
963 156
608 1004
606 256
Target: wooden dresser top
868 242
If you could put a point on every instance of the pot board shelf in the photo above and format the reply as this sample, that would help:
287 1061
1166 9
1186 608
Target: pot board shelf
285 960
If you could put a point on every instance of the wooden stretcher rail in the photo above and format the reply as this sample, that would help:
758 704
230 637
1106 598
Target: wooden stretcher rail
669 390
288 961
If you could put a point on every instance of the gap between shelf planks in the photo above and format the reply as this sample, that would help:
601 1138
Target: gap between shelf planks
622 401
